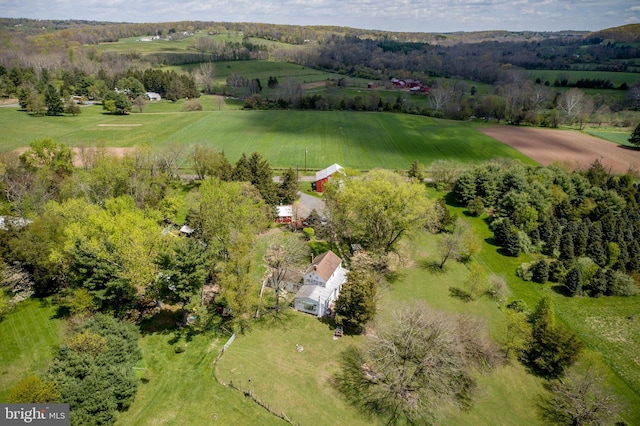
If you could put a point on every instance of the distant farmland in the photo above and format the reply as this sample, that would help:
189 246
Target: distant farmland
358 140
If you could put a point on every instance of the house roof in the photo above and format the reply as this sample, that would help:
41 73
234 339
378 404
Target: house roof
325 265
285 211
334 168
323 293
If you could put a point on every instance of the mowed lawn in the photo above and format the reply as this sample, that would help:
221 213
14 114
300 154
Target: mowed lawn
353 139
179 388
30 336
299 383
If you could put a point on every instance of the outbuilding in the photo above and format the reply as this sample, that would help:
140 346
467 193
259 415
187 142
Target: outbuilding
323 176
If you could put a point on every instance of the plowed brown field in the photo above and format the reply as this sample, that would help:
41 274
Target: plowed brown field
566 146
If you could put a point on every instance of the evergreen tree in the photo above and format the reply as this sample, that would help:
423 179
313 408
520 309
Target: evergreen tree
512 245
416 171
183 271
356 305
242 170
556 271
262 179
597 286
573 281
288 190
540 272
552 348
52 99
634 139
580 240
566 248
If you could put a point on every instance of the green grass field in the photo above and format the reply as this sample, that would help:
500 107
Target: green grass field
357 140
604 324
617 78
179 388
30 335
617 136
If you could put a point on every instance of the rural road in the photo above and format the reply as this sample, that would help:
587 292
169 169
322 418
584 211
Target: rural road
308 203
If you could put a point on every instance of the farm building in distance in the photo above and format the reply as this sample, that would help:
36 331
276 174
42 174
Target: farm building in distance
323 176
322 282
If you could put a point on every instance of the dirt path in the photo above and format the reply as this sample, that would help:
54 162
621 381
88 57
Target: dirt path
566 146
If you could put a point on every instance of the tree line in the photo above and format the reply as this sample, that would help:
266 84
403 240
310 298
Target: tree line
583 225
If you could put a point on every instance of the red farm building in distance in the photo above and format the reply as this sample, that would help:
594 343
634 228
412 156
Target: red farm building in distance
323 176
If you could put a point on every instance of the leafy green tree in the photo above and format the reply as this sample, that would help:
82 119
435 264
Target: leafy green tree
71 107
80 301
116 103
460 244
55 105
208 161
377 209
476 207
552 348
516 333
131 86
634 139
33 390
239 210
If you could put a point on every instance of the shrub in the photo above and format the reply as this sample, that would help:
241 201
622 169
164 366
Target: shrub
192 105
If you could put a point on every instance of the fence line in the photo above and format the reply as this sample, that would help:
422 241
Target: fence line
248 392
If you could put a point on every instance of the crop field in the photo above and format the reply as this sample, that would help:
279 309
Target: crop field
617 78
357 140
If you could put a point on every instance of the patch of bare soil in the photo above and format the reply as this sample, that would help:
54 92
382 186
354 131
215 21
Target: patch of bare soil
87 154
569 147
314 85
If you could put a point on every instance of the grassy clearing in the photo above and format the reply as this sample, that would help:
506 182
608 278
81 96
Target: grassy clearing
604 324
179 389
30 336
618 136
357 140
617 78
267 362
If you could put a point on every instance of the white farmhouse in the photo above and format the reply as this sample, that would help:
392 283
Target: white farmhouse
322 283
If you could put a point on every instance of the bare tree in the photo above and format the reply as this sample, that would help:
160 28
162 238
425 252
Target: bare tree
580 398
417 366
460 244
439 97
574 103
204 76
283 252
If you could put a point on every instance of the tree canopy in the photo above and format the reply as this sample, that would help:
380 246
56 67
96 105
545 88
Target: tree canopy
377 209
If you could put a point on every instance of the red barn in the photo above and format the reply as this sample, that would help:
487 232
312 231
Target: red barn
323 176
